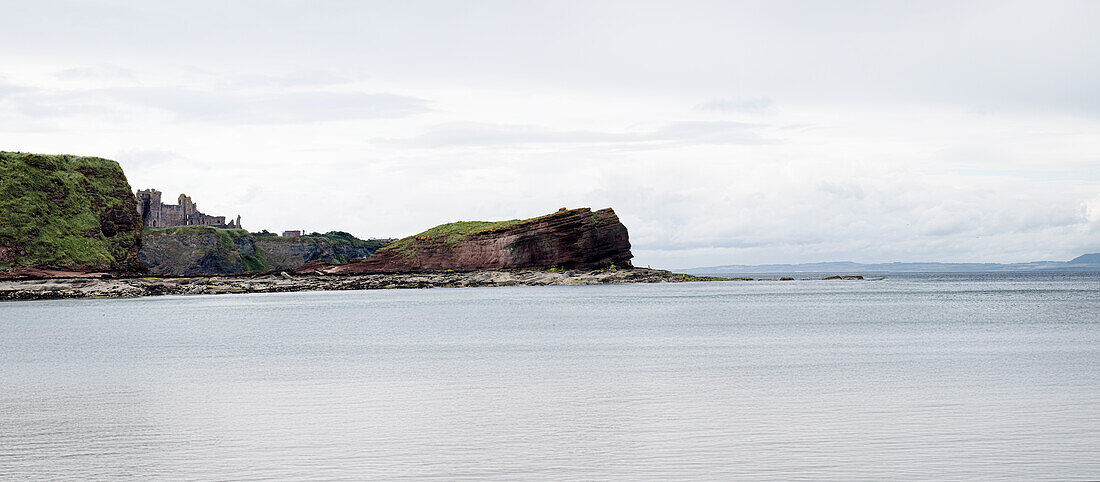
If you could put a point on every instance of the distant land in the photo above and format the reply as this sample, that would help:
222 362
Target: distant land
1087 262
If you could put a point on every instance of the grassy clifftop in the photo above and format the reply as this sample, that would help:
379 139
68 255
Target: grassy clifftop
332 237
449 233
66 210
569 239
453 233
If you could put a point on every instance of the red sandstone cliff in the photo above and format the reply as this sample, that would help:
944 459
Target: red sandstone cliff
572 239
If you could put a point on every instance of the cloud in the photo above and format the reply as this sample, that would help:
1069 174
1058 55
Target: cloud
253 193
469 134
7 89
106 71
1091 211
748 105
140 158
42 104
871 219
189 105
841 189
291 107
299 78
999 56
706 132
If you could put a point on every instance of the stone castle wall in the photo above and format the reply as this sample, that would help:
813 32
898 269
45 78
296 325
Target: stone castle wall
154 213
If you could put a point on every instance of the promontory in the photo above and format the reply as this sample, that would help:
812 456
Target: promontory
72 226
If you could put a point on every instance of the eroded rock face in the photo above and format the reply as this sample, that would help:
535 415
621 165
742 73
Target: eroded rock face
570 239
197 250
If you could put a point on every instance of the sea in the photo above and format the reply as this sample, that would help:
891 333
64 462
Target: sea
977 376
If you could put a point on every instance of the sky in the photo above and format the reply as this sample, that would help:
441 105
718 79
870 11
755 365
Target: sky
720 132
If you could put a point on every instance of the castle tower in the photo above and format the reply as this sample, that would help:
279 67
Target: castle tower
149 207
186 205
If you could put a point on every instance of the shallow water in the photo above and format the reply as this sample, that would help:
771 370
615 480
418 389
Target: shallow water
984 376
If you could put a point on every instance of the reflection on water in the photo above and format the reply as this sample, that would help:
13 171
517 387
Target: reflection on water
920 377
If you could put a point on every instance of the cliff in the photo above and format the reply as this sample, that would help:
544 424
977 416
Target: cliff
569 239
192 250
66 215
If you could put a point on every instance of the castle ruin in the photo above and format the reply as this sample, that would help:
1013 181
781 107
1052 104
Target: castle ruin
154 213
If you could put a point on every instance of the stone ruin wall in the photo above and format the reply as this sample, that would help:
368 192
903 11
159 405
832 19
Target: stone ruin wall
154 213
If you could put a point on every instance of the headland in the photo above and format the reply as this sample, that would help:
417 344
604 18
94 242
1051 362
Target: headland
73 228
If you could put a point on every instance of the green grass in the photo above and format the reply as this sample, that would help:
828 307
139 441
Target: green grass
256 261
65 210
226 237
332 237
453 233
447 234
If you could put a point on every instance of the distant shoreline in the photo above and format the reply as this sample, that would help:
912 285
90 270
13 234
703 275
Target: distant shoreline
1087 262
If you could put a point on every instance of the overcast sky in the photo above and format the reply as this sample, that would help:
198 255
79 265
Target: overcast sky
721 132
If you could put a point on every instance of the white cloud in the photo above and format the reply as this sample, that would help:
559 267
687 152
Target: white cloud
188 105
143 158
751 105
105 71
461 134
1092 211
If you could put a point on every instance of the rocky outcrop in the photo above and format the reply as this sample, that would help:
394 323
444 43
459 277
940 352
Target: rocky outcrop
62 215
196 250
289 253
193 250
567 239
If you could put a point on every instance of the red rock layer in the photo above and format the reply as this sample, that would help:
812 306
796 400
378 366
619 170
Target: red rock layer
571 239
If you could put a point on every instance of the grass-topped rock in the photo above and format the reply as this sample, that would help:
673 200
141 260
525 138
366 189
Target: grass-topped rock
568 239
66 212
449 234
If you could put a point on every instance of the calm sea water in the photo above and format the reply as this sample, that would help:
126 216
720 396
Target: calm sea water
912 377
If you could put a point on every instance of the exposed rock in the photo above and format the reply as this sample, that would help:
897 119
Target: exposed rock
62 215
193 250
567 239
282 282
196 250
289 253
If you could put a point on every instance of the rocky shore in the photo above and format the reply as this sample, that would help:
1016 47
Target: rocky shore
59 288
